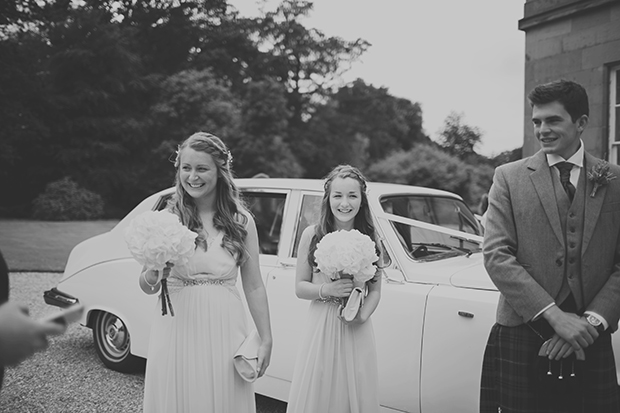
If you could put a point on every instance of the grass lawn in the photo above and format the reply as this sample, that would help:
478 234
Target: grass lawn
44 245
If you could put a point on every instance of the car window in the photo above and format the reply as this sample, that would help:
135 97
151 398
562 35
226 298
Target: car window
309 215
267 209
428 245
446 212
163 202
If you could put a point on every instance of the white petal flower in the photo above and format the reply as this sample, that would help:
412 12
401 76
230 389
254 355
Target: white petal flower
155 238
349 252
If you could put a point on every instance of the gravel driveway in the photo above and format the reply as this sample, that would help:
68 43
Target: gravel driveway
68 376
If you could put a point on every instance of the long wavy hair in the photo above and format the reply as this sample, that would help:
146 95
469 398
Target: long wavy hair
327 222
228 216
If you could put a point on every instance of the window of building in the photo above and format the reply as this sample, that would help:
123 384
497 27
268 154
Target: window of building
614 115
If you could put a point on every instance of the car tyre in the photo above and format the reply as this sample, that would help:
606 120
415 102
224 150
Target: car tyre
113 343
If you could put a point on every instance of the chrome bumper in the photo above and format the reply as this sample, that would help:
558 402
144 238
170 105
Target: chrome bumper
57 298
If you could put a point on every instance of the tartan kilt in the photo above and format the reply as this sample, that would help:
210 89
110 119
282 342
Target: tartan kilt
509 379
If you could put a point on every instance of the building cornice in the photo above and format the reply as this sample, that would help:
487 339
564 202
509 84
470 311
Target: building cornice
549 10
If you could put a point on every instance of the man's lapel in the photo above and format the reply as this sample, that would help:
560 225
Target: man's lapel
592 204
541 179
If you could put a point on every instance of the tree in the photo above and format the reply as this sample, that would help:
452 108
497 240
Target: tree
428 166
359 124
508 156
458 138
89 104
261 147
306 60
390 123
328 140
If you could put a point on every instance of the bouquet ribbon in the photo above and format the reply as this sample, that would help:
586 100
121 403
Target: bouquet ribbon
165 299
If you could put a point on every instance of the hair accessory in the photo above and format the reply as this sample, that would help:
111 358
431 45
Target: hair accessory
176 157
229 158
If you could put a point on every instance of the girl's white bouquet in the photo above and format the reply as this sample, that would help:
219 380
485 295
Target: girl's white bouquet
156 238
347 252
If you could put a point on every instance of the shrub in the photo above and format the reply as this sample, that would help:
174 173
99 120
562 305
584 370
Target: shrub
64 200
428 166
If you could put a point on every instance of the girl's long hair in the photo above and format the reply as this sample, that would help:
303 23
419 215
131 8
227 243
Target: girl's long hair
229 209
363 220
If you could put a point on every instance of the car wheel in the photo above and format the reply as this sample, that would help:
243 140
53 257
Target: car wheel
112 343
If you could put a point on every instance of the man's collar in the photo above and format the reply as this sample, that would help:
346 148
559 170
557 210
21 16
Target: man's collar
576 159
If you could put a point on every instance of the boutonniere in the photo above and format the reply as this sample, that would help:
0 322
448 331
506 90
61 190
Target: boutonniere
600 176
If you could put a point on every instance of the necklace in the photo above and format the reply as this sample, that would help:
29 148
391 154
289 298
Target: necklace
208 239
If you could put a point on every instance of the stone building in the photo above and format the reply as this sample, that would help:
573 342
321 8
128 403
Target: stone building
577 40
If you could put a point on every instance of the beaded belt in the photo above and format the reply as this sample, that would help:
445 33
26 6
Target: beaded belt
330 300
189 283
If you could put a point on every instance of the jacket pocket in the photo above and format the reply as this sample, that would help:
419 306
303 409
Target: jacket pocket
610 207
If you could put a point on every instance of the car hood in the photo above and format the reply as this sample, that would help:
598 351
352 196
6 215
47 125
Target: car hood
109 246
473 275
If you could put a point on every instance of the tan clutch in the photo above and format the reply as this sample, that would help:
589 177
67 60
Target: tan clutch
245 359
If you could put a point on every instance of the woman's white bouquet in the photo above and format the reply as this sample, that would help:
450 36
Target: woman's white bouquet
347 252
156 238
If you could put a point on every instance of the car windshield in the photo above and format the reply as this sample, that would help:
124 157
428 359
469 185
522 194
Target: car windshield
444 211
424 242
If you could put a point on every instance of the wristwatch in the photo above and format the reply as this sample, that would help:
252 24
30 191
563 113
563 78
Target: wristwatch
595 322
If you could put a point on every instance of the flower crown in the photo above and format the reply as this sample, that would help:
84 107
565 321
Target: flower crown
228 163
347 173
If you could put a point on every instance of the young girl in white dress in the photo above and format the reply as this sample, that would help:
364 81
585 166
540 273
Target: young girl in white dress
190 357
336 368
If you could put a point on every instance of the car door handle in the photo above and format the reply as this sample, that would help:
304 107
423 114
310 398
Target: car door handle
466 314
286 264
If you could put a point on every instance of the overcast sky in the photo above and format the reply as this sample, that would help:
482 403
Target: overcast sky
451 55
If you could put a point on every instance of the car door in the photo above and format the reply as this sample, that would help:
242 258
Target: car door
270 208
398 323
288 313
457 326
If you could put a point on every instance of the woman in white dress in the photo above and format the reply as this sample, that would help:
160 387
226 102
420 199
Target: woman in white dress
336 368
190 358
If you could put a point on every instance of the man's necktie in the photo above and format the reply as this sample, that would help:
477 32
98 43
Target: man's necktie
565 168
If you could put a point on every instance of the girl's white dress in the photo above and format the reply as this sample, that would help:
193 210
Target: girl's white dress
189 366
336 368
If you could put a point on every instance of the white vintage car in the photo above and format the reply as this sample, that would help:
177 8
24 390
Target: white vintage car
431 326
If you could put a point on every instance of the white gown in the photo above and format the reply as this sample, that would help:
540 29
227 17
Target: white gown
336 369
189 367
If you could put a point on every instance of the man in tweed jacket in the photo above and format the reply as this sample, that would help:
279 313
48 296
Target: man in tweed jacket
552 248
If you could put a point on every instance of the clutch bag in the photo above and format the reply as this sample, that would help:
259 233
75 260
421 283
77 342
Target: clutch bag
245 359
354 303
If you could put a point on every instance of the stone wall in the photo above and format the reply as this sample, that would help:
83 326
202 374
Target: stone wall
575 40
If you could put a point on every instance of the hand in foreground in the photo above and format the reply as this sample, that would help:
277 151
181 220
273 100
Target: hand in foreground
339 288
20 335
264 357
574 330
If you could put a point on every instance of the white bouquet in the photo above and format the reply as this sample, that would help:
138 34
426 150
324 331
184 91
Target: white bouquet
347 252
155 238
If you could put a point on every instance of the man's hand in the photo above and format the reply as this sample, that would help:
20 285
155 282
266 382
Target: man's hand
573 333
559 348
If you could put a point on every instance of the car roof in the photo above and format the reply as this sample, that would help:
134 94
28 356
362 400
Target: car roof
379 188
